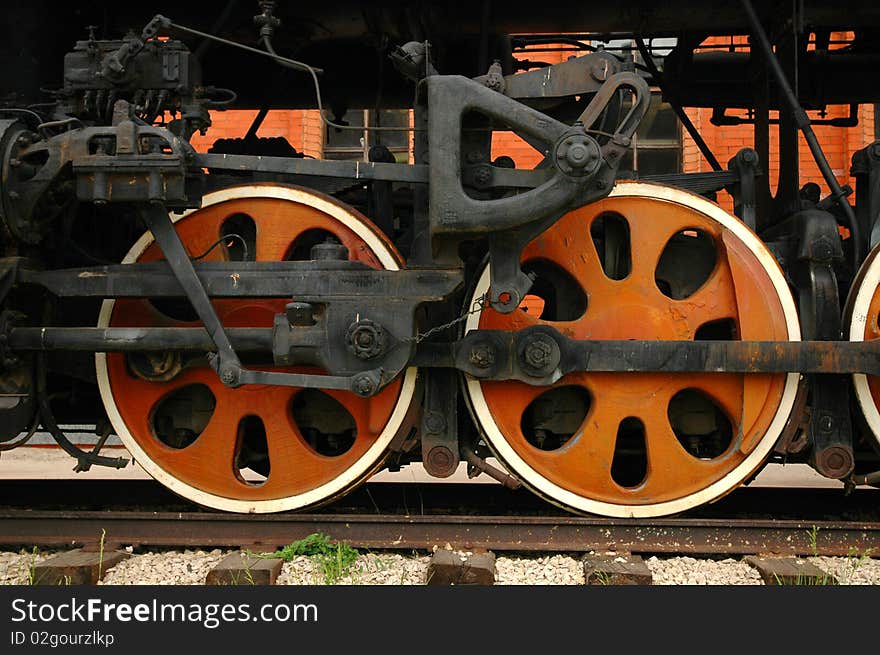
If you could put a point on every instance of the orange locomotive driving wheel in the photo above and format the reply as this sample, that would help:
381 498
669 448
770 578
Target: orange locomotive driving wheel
255 448
649 262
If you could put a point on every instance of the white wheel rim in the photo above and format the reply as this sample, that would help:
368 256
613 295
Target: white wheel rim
857 306
749 465
352 475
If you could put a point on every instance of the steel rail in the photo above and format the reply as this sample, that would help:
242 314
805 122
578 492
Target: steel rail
423 532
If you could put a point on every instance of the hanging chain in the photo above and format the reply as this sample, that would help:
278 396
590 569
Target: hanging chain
478 305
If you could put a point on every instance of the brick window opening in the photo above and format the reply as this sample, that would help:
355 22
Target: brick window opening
355 144
656 147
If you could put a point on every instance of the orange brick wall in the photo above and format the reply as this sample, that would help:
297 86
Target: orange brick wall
302 129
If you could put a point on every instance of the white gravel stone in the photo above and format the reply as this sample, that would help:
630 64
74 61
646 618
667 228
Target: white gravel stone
189 567
17 567
164 568
543 570
854 570
692 571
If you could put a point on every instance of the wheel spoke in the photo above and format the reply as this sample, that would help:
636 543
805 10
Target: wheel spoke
649 232
590 453
713 301
726 389
212 455
669 464
509 400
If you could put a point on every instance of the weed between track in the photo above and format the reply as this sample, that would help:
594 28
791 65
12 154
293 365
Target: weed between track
334 559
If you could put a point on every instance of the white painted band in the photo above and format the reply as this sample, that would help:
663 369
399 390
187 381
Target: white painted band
867 279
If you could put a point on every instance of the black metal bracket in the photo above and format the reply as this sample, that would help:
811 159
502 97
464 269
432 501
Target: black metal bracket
439 424
815 252
583 170
746 166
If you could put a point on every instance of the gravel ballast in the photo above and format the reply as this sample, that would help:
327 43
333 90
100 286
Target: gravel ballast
189 567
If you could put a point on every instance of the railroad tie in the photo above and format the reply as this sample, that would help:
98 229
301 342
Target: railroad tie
616 570
241 568
450 568
76 567
789 571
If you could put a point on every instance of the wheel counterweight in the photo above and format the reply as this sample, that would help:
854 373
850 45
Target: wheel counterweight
255 448
648 262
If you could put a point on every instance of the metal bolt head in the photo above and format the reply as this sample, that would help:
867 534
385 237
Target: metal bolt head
366 339
482 176
540 354
482 355
600 71
578 154
440 462
363 385
537 353
435 422
834 462
227 376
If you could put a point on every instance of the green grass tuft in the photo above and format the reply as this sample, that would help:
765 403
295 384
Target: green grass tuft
335 559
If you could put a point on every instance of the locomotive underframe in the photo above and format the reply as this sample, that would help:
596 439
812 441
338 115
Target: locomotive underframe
458 196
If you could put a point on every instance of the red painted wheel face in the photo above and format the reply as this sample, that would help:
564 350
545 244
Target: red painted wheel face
255 443
636 267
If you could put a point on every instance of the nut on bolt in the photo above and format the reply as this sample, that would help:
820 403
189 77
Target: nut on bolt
482 355
540 354
835 462
435 422
228 376
578 154
366 339
482 176
363 385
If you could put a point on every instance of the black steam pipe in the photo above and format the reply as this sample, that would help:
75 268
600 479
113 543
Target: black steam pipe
803 122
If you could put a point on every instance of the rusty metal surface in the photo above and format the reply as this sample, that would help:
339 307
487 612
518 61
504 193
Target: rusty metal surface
407 532
752 520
